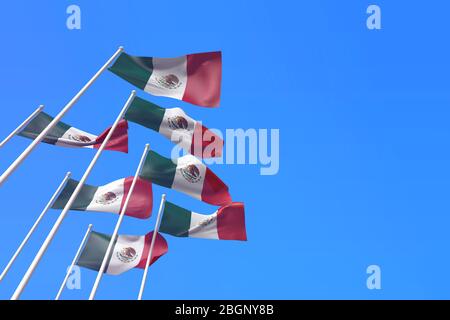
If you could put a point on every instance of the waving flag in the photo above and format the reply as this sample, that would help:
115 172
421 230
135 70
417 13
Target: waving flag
227 223
194 78
67 136
188 175
177 126
129 252
110 197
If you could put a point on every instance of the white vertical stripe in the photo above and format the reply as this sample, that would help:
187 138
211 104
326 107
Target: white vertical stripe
127 254
108 198
181 136
186 182
162 68
203 226
76 138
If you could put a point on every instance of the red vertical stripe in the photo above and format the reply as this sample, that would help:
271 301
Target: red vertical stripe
141 201
159 249
119 138
231 222
201 139
214 190
204 75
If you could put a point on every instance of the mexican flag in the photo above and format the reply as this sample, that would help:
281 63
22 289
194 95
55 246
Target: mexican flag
194 78
227 223
110 197
129 252
177 126
67 136
188 175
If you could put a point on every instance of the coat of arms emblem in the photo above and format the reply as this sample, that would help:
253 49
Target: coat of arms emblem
191 173
169 81
79 138
178 122
107 198
127 254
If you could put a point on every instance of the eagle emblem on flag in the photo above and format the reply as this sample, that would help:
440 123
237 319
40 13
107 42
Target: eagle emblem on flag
127 254
79 138
191 173
107 198
178 122
169 81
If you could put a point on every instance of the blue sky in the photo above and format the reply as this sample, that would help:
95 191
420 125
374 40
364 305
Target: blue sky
363 119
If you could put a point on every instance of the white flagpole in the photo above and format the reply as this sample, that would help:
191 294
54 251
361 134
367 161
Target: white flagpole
150 252
72 199
22 125
119 222
52 124
35 225
75 259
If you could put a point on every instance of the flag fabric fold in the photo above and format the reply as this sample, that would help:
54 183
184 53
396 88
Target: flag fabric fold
110 197
67 136
177 126
227 223
128 252
188 175
194 78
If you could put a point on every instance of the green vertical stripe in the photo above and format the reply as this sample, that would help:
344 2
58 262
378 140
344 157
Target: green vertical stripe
38 124
136 70
176 220
81 202
94 251
159 170
145 113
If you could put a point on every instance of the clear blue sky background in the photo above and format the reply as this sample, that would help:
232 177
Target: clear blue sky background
363 116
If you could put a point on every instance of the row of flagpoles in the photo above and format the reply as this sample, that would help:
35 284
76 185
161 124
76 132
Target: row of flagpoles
13 167
53 231
170 81
66 209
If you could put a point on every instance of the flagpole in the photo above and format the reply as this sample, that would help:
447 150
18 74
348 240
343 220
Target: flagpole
35 225
150 252
22 125
75 259
72 199
53 123
119 222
